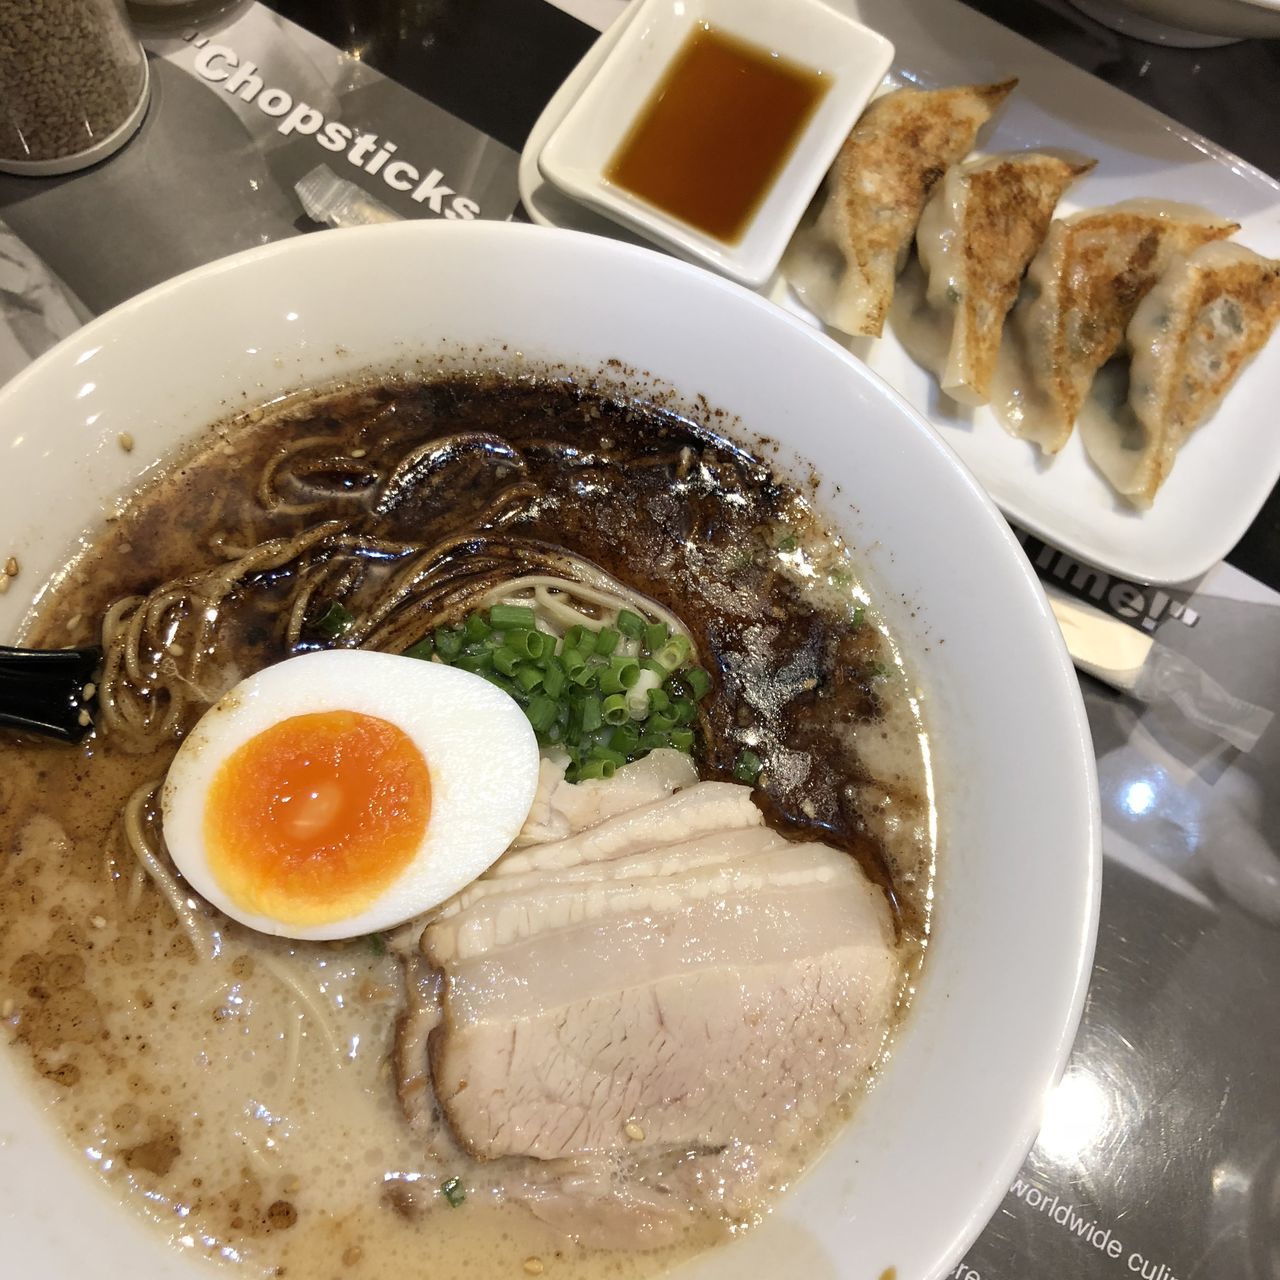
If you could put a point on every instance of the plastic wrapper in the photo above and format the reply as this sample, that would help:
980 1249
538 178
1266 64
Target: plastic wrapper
1137 664
336 202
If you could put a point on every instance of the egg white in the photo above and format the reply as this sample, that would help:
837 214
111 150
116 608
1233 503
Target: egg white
480 751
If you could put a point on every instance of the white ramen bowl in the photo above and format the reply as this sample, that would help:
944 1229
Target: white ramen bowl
912 1180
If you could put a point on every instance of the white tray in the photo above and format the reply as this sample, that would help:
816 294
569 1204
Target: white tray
1225 472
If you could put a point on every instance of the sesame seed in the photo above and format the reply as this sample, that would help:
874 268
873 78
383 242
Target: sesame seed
633 1131
84 719
125 440
11 567
358 453
88 691
98 922
533 1267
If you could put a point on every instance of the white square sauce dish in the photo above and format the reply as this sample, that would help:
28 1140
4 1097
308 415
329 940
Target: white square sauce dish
712 122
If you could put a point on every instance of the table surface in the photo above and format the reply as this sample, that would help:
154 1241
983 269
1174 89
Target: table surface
1165 1133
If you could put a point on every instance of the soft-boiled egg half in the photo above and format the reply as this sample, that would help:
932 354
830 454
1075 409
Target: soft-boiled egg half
343 792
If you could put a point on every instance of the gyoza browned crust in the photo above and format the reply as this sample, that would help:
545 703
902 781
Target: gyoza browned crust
1007 210
1206 318
1083 288
881 179
1186 369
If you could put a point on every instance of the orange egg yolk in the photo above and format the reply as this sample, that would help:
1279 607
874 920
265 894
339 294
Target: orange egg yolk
315 817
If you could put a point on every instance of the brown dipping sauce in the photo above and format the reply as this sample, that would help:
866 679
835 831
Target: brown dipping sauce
716 132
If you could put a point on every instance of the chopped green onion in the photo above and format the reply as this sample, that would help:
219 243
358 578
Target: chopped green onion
620 674
655 636
684 711
529 644
628 670
453 1191
746 768
638 694
506 660
448 642
511 617
625 738
477 663
553 678
335 621
631 624
698 680
674 653
590 713
377 943
541 712
528 677
509 687
856 617
423 649
591 692
788 543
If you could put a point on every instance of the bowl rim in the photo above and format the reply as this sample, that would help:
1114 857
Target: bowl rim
1055 1055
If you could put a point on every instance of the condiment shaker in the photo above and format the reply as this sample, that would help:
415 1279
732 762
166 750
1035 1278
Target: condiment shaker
74 83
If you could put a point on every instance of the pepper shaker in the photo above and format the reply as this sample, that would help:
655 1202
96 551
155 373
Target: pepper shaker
74 83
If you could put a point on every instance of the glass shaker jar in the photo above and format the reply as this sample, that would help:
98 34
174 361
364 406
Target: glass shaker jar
164 15
73 83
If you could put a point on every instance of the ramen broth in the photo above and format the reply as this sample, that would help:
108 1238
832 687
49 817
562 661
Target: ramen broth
242 1094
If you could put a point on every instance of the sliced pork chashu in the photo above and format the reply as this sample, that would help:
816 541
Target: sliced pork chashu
632 1018
562 808
705 1020
702 809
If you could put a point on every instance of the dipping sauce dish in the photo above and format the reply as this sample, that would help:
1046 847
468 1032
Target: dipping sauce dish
711 123
689 152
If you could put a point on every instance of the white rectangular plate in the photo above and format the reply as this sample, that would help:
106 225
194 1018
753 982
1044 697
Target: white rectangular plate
1226 470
